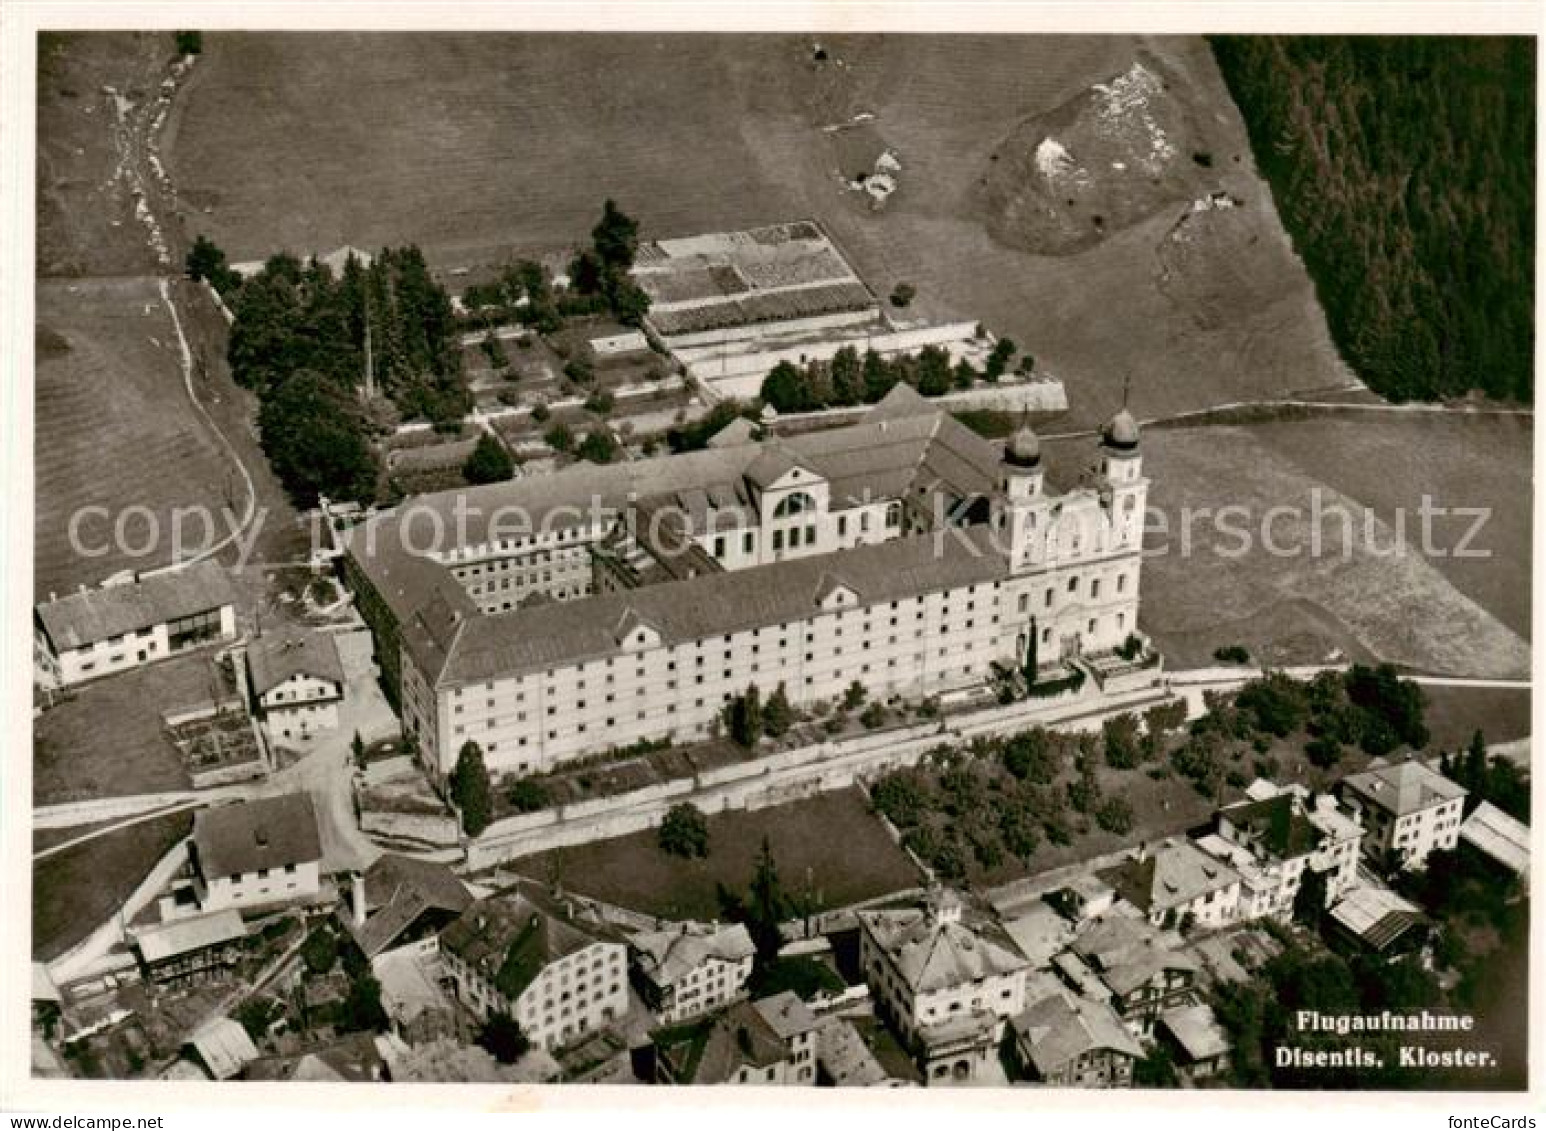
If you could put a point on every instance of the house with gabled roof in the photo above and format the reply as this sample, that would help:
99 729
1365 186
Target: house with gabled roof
769 1042
97 632
1069 1041
256 853
402 902
1123 959
1176 882
297 681
520 954
691 968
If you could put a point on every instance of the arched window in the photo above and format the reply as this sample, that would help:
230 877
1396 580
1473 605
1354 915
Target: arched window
796 502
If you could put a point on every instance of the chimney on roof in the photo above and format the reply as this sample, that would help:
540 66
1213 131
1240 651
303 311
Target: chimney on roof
357 890
1141 853
260 834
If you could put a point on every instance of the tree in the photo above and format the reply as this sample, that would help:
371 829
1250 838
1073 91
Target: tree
357 748
189 42
528 796
560 437
998 359
903 294
786 389
1120 734
488 463
873 716
767 905
1157 1070
1030 756
502 1036
206 261
778 715
362 1008
320 951
471 791
1115 815
314 436
599 446
933 371
1310 899
615 238
847 377
684 832
744 717
854 696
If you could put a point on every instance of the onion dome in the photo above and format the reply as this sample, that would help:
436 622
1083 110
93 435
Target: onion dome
1121 432
1024 448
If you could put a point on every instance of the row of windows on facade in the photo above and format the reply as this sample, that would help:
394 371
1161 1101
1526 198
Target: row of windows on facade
279 695
492 722
559 537
674 651
562 558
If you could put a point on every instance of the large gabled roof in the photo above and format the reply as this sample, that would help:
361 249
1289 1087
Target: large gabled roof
1063 1027
278 657
274 832
697 608
510 938
86 617
1278 824
667 956
399 889
1172 875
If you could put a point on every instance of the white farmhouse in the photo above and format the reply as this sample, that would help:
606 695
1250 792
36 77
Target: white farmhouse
97 632
297 682
256 853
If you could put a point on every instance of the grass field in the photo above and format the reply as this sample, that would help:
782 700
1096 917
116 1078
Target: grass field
1455 713
1442 615
830 846
108 741
74 891
477 146
115 429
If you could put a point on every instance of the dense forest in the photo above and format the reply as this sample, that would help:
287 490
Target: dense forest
1404 170
299 341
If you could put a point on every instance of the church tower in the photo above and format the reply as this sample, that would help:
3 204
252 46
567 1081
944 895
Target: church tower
1023 502
1122 469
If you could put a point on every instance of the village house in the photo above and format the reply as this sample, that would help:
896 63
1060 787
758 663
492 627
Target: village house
418 1010
1175 884
97 632
521 955
770 1042
297 682
945 986
256 853
1275 837
1127 961
691 968
1069 1041
1198 1044
1408 810
192 949
400 901
671 585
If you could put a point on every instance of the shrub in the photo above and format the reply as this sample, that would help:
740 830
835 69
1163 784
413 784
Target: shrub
190 42
528 796
1115 815
1232 654
684 832
873 716
903 294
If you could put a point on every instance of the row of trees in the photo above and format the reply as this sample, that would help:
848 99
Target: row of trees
849 379
1404 169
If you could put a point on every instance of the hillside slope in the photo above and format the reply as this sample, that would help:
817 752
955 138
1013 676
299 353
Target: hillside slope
478 146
